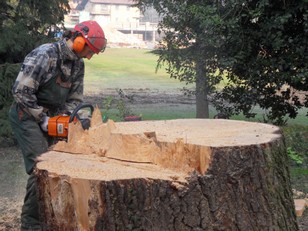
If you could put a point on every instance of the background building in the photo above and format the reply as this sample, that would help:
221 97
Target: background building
118 18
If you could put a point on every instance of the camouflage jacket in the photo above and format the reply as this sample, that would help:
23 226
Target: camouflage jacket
42 65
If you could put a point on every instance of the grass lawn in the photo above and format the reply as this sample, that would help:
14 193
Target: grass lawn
126 68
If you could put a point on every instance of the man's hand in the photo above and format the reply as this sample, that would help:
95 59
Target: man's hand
86 123
84 117
44 124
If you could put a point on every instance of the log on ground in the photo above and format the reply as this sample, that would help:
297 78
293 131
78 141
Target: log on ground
186 174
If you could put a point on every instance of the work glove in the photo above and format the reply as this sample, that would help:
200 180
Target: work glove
44 123
86 123
84 118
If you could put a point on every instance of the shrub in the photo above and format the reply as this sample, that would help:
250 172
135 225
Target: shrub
296 137
8 73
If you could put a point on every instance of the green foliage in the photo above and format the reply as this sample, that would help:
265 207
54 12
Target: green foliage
121 104
266 59
23 25
296 137
26 24
295 157
107 103
8 73
299 180
6 135
299 172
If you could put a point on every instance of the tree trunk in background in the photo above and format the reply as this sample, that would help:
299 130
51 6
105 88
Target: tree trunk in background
202 103
189 174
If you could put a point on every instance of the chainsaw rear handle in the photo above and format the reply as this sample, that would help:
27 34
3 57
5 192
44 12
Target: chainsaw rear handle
76 110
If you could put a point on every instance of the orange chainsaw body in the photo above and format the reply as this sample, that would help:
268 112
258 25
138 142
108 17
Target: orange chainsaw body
58 126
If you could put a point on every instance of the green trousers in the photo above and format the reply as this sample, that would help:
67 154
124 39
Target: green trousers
30 209
33 142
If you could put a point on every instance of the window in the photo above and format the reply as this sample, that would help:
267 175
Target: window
104 7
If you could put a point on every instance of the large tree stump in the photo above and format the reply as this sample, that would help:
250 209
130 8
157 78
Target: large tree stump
186 174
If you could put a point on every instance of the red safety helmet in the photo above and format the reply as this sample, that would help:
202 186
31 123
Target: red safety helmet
93 35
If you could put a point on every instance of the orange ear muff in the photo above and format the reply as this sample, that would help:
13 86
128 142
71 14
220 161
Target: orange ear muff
78 44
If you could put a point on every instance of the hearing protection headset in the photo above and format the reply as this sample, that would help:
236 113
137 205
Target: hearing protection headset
79 38
79 43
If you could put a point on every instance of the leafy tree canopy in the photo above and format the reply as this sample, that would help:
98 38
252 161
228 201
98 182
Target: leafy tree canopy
268 62
260 45
24 24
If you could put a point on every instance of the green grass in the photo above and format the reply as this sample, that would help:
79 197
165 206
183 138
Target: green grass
152 112
134 69
301 118
299 172
126 69
299 179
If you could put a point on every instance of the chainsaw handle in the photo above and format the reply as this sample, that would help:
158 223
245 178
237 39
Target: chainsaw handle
80 106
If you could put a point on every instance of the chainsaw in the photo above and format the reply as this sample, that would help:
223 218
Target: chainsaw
58 125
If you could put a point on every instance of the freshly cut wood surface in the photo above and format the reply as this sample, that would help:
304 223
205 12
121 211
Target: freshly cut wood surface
186 174
182 145
205 132
93 167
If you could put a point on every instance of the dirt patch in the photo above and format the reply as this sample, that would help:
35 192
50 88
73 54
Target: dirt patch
141 97
12 183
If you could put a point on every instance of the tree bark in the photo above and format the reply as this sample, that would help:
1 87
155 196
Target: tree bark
189 174
202 103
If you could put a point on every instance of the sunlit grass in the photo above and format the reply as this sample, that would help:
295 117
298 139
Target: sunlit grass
126 68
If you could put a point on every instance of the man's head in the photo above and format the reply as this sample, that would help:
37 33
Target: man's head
88 38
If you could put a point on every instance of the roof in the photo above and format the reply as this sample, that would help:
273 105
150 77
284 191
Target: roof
114 2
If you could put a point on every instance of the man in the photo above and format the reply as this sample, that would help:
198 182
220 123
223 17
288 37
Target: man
49 83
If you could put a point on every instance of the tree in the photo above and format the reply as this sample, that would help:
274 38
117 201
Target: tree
260 45
25 24
267 53
189 47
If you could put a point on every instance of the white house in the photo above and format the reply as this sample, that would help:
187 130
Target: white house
115 14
